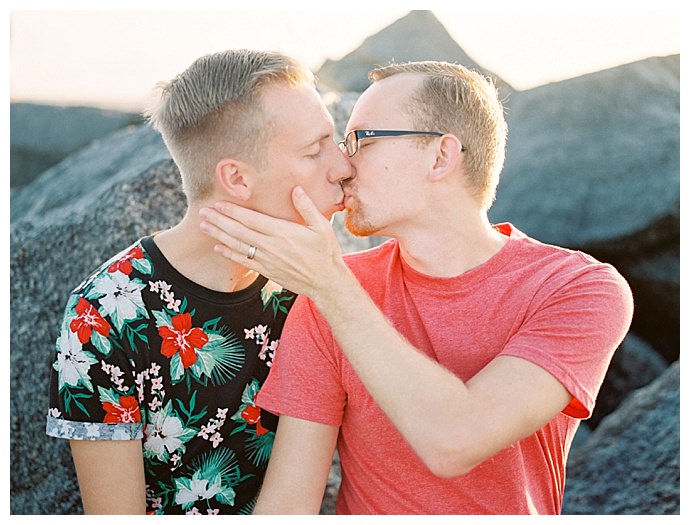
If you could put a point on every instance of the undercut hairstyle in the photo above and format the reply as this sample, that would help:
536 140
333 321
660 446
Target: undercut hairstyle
454 99
212 110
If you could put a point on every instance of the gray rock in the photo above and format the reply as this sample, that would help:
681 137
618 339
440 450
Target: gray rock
654 276
634 365
631 462
68 187
42 135
417 36
594 162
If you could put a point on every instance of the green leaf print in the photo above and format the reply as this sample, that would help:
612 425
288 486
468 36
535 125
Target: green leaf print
176 368
106 395
162 318
221 358
101 343
189 412
259 448
142 265
70 398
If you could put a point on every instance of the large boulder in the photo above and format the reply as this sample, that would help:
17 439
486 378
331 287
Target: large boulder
42 135
631 463
69 187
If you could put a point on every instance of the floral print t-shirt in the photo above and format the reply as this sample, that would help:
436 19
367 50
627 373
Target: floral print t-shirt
145 353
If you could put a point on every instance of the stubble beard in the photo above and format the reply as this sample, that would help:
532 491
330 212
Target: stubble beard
357 223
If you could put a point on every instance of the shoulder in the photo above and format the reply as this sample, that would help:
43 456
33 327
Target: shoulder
132 258
560 271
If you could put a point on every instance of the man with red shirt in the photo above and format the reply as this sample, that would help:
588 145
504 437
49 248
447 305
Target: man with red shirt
452 364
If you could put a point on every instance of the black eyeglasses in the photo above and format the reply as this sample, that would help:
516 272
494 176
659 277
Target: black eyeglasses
351 143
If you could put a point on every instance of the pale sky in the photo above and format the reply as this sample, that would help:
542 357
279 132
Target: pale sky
112 58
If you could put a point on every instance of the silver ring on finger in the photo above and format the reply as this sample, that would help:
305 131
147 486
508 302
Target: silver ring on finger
251 252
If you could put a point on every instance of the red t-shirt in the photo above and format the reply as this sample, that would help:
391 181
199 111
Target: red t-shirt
560 309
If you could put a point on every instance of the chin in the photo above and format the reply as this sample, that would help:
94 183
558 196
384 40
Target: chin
359 228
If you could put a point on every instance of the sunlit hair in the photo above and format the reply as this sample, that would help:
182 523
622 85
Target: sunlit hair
213 110
457 100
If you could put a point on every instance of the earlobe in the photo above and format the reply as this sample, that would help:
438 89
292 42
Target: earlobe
233 178
447 157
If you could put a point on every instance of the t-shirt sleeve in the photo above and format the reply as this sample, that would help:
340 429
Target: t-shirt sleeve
305 378
577 322
92 387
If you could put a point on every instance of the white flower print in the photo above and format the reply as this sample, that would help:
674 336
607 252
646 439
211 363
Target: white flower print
73 363
92 430
163 290
163 434
121 295
198 489
115 375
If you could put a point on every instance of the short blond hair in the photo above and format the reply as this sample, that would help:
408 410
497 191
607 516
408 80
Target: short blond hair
454 99
212 111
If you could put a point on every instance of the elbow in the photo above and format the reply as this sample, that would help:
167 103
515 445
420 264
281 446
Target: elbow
446 466
450 458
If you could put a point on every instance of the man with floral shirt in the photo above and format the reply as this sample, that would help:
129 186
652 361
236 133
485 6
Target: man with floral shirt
163 349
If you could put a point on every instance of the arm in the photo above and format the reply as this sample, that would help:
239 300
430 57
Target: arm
451 425
298 469
111 476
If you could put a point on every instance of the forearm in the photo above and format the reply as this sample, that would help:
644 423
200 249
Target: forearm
298 469
423 399
451 425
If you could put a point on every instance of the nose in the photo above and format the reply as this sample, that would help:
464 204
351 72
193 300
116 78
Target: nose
342 169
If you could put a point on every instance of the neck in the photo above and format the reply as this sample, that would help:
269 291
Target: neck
451 246
191 253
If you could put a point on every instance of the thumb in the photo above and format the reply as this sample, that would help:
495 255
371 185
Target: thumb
306 207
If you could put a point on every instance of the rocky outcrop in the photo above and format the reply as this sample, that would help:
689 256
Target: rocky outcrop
631 463
42 135
417 36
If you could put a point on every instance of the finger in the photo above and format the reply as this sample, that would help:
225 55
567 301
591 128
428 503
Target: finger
306 207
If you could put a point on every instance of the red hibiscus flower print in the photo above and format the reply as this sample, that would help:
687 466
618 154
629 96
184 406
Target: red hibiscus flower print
182 338
252 415
87 320
123 264
125 412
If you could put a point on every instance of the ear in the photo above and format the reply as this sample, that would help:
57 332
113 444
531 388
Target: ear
233 176
448 154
